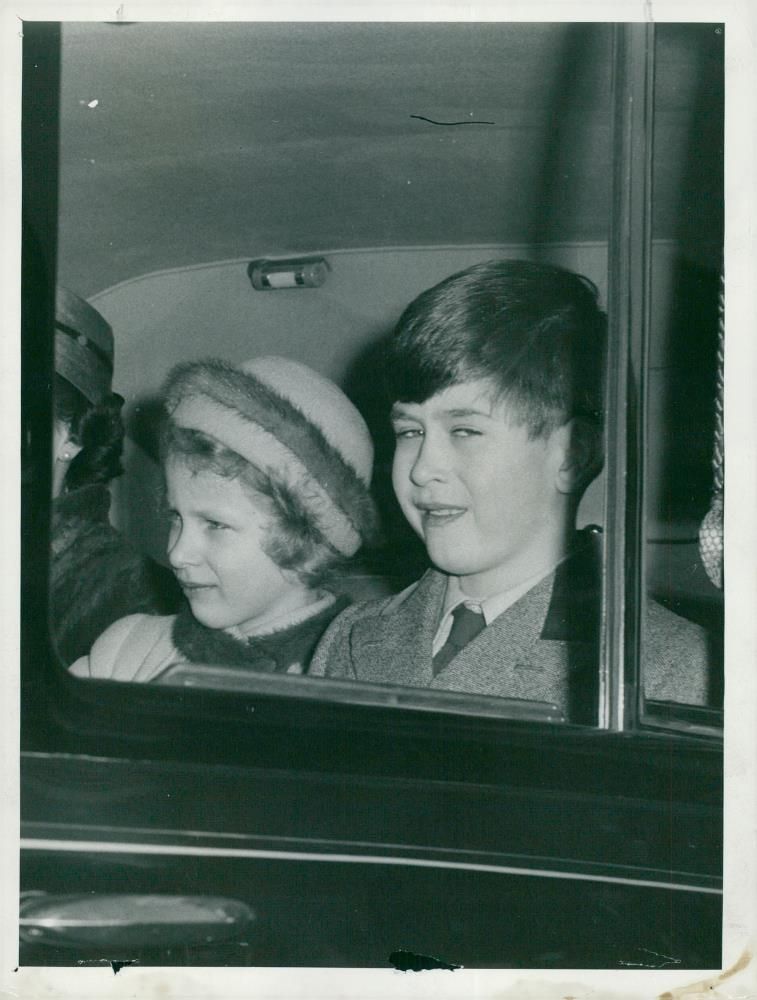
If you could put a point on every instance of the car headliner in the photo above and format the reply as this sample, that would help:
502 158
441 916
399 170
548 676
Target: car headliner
184 143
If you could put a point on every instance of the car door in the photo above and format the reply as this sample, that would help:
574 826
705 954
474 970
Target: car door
354 833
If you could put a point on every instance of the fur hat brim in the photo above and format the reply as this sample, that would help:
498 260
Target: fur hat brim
250 418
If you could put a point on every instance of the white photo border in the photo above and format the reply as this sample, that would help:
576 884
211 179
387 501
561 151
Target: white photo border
738 977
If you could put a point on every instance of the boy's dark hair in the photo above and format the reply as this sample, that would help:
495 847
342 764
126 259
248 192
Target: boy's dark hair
97 427
535 330
294 541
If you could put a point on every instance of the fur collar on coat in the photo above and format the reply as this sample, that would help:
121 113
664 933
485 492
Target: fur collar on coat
275 652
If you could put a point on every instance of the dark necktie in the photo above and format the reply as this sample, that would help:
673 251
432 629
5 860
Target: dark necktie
466 624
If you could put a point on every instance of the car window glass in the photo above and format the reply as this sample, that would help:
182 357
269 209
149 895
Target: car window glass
164 303
684 444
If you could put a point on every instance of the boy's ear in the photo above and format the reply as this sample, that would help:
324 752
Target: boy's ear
582 455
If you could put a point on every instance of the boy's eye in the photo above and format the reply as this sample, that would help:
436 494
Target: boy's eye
214 525
466 432
407 432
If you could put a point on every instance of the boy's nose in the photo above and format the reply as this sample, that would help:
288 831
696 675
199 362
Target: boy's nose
428 464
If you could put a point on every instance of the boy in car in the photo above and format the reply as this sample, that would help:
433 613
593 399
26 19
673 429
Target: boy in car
496 379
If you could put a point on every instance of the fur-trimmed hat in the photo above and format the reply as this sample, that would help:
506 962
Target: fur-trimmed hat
294 425
83 346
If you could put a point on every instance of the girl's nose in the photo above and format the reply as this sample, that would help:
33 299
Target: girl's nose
181 549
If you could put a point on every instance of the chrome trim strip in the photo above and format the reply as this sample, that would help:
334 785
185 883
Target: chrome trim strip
185 838
81 847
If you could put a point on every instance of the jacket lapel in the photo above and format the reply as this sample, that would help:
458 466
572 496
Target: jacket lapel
574 609
528 652
395 646
503 659
545 646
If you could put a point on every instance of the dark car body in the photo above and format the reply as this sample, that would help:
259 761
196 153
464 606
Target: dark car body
352 838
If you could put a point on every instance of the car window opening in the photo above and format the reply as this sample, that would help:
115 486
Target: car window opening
497 539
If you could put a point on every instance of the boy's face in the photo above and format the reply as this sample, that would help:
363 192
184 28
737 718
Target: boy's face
482 496
215 550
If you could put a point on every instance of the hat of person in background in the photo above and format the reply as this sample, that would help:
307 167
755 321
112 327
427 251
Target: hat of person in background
83 346
291 423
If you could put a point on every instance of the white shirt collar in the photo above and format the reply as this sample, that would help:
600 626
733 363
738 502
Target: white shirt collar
491 607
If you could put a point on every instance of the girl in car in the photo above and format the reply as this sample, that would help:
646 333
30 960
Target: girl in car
267 469
96 577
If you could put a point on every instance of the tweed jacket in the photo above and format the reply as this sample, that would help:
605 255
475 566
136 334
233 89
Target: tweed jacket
542 648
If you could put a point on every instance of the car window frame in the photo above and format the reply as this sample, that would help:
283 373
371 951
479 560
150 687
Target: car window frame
621 706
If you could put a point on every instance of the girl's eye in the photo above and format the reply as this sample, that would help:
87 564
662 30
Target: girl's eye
214 525
402 433
466 432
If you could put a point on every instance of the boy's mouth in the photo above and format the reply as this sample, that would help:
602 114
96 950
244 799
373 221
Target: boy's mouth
435 515
189 586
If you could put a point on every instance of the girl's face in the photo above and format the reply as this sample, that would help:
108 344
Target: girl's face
215 549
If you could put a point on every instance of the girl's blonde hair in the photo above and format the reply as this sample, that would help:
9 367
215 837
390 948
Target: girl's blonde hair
293 540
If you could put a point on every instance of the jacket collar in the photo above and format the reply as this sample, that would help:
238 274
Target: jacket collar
395 645
272 652
574 607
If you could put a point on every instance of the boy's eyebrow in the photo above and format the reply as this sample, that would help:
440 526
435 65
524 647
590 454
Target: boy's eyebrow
466 411
398 412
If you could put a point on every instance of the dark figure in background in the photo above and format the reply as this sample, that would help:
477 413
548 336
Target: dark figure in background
96 577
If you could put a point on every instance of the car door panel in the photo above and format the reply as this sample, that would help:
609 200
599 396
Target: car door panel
344 869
